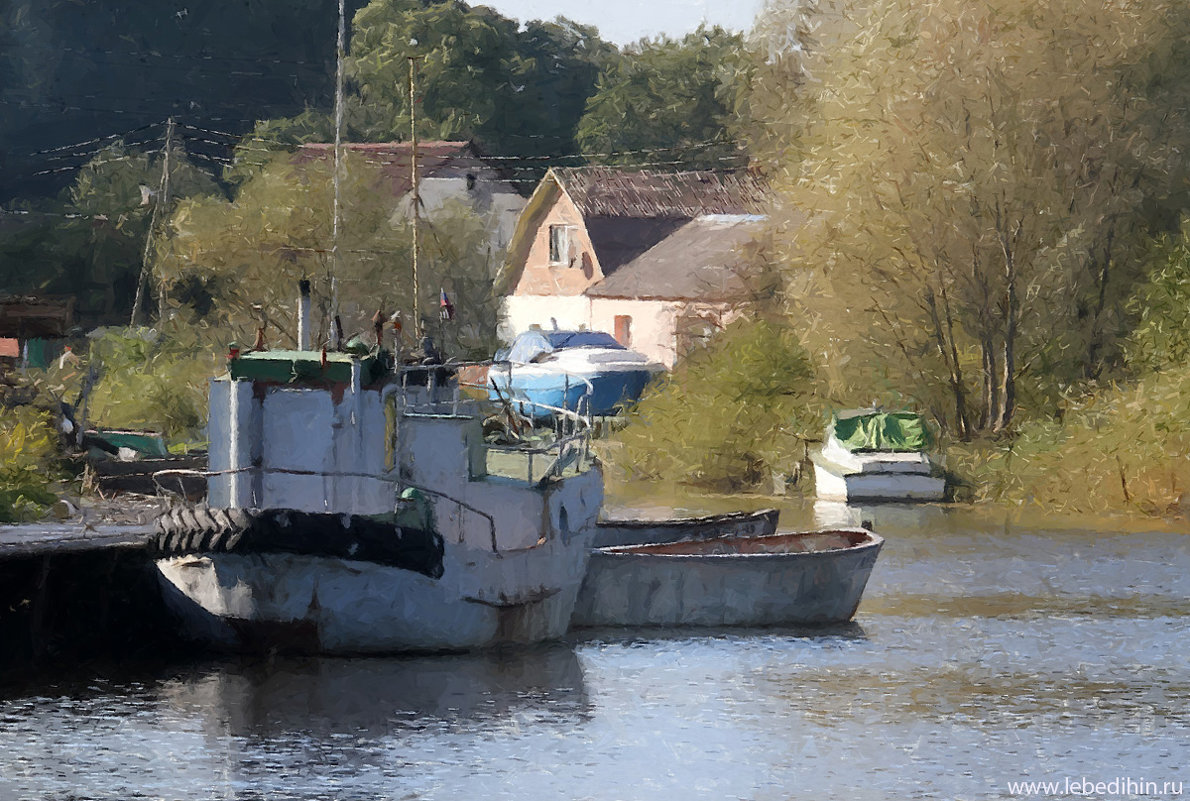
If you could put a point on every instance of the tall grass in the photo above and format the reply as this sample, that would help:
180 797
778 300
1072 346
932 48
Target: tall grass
1125 448
153 380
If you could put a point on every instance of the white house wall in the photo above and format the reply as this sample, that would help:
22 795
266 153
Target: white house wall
652 327
522 311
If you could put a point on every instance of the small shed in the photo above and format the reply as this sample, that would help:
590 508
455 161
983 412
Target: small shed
28 326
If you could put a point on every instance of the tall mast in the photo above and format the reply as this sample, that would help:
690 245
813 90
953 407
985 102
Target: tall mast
336 212
162 199
417 331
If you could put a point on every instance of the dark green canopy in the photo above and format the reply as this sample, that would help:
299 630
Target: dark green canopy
882 431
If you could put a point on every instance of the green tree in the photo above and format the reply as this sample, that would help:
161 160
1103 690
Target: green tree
556 69
479 78
729 413
673 96
243 258
90 243
963 168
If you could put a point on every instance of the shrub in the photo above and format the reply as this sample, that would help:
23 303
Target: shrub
28 464
728 414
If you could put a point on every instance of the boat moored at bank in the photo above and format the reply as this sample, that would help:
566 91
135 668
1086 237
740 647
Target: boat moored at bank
616 531
545 370
874 455
810 578
355 507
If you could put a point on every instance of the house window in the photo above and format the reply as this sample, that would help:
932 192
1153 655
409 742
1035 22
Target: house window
623 330
559 244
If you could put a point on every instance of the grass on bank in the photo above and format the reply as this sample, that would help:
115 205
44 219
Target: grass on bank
28 464
745 406
153 380
1125 448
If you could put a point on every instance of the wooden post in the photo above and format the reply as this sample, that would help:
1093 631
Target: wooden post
37 612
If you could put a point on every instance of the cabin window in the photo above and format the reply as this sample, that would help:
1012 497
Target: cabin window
559 244
623 330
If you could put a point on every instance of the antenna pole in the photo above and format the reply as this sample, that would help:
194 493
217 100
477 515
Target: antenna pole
417 327
336 213
162 192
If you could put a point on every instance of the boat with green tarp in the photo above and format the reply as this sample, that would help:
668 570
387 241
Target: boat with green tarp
878 455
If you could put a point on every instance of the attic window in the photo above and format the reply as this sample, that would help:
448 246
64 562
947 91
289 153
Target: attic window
559 244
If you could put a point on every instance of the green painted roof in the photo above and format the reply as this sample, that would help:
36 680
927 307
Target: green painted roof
305 366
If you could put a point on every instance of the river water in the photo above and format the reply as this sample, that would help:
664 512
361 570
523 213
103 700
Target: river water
988 650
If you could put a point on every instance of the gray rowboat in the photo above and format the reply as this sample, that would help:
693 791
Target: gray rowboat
811 578
612 533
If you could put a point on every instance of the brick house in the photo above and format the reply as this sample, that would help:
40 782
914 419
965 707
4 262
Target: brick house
657 259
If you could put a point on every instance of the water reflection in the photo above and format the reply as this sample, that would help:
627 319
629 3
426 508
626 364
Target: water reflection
375 696
851 631
882 516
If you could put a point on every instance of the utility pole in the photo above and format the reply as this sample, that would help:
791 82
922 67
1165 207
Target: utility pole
162 199
417 327
336 212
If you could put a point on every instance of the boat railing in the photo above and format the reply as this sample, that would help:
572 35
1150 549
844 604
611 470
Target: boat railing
444 385
442 389
580 414
399 486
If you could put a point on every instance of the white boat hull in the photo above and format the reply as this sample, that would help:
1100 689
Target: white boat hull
834 485
318 604
817 588
843 475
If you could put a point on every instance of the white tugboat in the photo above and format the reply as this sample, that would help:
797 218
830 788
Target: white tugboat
354 507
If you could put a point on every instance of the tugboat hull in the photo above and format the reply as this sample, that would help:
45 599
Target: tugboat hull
317 604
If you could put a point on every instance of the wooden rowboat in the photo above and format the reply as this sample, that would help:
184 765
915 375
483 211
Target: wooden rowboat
814 578
613 533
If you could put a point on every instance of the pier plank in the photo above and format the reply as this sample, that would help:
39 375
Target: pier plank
38 539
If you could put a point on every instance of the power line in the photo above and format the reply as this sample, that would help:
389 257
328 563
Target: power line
97 139
140 54
93 164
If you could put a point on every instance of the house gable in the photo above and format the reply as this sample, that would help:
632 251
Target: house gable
538 266
630 235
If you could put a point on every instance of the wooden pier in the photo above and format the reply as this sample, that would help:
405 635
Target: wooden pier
48 539
72 590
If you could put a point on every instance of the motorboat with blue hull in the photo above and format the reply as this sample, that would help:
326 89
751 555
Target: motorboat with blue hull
545 370
354 507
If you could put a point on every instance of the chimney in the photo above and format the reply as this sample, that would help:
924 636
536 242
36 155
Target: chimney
304 315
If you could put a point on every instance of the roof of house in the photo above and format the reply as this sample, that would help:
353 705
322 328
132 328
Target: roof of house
629 212
435 159
649 194
702 259
23 316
